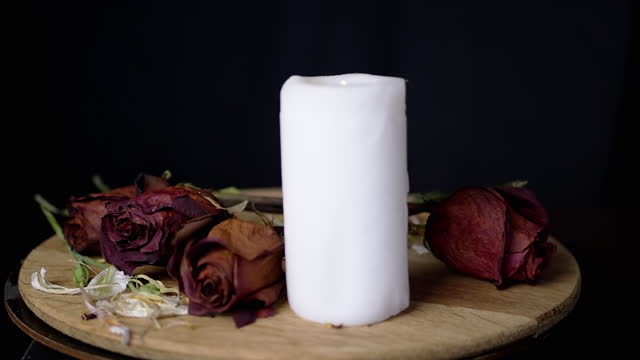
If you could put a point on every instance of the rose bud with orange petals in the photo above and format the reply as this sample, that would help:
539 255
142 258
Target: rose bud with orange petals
235 265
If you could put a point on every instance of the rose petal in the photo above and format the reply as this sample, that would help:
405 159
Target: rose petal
216 268
253 275
240 237
188 206
146 182
244 318
521 232
248 316
198 309
265 312
513 262
467 232
268 295
195 228
106 284
39 282
524 201
535 262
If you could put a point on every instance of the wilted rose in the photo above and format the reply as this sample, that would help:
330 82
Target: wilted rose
234 264
499 234
135 231
83 229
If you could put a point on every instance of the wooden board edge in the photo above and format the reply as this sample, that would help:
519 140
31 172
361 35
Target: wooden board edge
549 319
105 343
49 341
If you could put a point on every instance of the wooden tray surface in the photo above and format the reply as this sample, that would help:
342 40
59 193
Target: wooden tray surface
450 316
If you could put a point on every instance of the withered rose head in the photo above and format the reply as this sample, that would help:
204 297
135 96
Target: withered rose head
82 229
499 234
232 264
135 231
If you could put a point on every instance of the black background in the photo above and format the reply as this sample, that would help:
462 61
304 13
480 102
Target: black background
496 91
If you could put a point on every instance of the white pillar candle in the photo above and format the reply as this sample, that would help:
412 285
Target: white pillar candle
345 185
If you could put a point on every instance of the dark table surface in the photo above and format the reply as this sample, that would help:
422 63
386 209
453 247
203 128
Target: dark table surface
605 243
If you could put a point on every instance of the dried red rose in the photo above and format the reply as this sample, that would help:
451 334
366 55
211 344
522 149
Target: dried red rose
499 234
136 231
236 264
83 229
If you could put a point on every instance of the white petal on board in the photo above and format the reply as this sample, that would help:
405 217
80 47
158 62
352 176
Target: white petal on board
39 282
419 248
123 331
107 283
145 305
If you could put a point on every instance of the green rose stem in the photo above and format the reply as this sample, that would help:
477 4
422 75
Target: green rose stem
262 217
99 184
49 206
80 272
80 275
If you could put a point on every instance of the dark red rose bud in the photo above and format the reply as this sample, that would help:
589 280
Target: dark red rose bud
499 234
83 229
136 231
236 264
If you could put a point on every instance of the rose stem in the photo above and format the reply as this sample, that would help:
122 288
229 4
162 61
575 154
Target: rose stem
57 229
99 184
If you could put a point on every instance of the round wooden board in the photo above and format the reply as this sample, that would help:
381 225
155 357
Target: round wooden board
450 316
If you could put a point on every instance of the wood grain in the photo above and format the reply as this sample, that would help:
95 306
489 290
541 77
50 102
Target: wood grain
450 316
